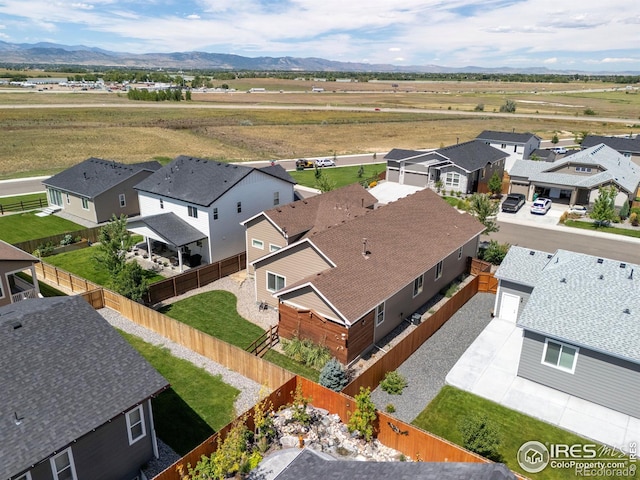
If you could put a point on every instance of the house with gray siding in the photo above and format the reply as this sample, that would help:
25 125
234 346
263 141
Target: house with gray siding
580 317
517 146
97 189
75 401
628 146
465 167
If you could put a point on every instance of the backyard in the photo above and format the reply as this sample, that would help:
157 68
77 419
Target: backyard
341 175
21 227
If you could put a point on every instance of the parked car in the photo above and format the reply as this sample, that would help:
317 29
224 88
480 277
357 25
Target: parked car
325 162
580 210
560 150
541 206
304 163
513 202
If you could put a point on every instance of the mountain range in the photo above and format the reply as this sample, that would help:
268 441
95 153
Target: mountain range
45 53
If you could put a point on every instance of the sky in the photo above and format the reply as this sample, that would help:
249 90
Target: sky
586 35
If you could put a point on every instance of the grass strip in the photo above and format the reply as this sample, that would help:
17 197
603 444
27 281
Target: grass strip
591 226
21 227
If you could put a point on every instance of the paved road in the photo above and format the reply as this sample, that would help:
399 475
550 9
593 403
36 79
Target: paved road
21 186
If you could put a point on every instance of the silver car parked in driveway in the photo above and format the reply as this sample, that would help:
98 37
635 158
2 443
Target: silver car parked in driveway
541 206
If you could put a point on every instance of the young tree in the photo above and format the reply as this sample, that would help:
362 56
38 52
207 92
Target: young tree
624 210
485 210
495 184
333 375
362 418
131 282
604 210
481 436
324 183
114 240
509 106
555 138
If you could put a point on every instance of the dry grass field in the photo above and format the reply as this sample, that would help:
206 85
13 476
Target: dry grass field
52 134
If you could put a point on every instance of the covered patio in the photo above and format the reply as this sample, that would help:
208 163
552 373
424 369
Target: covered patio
169 238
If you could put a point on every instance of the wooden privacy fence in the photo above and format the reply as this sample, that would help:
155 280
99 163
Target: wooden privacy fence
195 278
29 246
407 439
408 345
487 282
64 279
476 266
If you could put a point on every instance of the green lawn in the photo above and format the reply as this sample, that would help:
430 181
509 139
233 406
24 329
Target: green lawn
215 313
26 226
444 414
197 404
45 289
340 175
83 263
12 203
616 230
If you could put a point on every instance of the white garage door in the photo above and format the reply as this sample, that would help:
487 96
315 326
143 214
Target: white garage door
509 307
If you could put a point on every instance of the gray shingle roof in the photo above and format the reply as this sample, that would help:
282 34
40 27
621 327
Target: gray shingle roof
472 155
507 137
170 227
64 372
94 176
581 299
9 252
621 144
201 182
401 154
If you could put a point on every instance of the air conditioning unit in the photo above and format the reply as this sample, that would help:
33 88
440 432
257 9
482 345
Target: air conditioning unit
416 318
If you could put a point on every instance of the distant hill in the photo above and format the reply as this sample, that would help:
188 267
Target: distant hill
44 53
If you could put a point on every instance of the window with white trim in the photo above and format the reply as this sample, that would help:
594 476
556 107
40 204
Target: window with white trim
239 207
274 248
161 204
68 198
62 466
255 243
123 200
192 211
135 424
452 179
439 270
583 169
275 282
215 213
418 284
85 204
26 476
276 198
560 355
459 253
380 314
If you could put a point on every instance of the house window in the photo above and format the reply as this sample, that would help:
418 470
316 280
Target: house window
439 270
193 211
379 314
459 253
135 424
257 243
559 355
26 476
62 466
583 169
215 213
484 172
276 198
85 204
161 204
504 145
273 248
239 207
55 197
68 198
275 282
1 291
123 200
418 283
452 179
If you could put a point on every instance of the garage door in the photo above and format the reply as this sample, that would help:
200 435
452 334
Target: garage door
509 307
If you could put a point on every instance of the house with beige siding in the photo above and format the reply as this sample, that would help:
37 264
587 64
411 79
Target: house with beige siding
97 189
14 287
346 284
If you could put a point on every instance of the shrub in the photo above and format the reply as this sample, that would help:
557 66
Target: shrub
333 375
390 408
361 420
481 436
494 253
67 240
624 210
306 352
373 184
299 407
44 250
393 383
451 289
509 106
564 216
479 107
589 111
633 219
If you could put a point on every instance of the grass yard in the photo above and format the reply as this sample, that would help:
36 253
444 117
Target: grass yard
215 313
45 289
340 175
83 263
197 404
31 200
21 227
444 414
616 230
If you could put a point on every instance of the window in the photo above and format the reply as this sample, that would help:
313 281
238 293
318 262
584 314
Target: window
459 253
26 476
452 179
559 355
85 204
504 145
1 291
275 282
273 248
439 270
257 243
62 466
193 211
239 207
379 314
55 197
161 204
418 283
215 213
276 198
123 200
583 169
135 424
484 172
68 198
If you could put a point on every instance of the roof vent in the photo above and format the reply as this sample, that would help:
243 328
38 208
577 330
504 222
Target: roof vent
549 255
623 265
563 280
16 325
531 252
600 261
626 310
601 277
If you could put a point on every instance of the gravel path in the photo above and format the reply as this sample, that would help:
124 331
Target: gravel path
427 368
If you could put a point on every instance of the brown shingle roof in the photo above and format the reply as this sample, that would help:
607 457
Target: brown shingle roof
404 239
318 213
9 252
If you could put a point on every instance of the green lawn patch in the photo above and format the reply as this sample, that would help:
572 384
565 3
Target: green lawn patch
20 203
21 227
290 364
45 289
615 230
340 175
444 414
197 404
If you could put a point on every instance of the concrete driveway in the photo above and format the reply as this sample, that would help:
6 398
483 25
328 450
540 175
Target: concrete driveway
525 217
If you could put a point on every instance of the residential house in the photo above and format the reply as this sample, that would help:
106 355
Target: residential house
576 178
15 287
96 189
465 167
580 320
347 285
518 146
627 146
75 401
194 207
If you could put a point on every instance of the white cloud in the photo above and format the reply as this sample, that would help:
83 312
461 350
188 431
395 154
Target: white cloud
550 60
193 16
394 49
619 60
82 6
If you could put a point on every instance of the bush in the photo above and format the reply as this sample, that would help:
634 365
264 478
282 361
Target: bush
333 375
564 216
361 420
589 111
451 289
306 352
494 253
479 107
633 219
67 240
508 107
624 210
390 408
481 436
393 383
44 250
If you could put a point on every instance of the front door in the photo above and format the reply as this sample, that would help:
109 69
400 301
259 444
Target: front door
509 307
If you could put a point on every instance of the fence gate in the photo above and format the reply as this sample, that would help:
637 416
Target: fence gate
264 342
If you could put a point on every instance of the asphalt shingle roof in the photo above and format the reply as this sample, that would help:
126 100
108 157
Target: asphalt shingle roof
94 176
64 372
170 227
401 154
507 137
621 144
472 155
9 252
201 182
523 265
